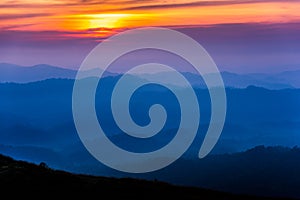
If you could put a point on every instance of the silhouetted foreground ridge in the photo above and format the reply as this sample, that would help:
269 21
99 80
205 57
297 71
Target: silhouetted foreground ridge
27 179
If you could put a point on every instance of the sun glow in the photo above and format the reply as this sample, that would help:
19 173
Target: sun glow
104 24
106 20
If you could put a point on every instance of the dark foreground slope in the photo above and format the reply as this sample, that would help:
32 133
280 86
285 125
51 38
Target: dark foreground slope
30 180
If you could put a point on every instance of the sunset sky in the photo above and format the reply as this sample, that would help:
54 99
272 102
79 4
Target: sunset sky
50 28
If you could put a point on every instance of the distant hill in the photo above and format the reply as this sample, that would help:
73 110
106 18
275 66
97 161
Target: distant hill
40 181
21 74
291 76
40 113
233 80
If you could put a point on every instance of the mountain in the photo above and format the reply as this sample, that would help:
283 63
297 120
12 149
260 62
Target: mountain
40 114
269 81
37 125
231 80
36 180
290 76
19 74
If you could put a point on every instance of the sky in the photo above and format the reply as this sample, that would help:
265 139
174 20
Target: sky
242 36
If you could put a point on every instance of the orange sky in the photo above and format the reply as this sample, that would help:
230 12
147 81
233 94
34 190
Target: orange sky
80 15
62 32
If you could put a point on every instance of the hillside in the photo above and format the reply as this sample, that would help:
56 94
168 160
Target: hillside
37 126
40 114
35 180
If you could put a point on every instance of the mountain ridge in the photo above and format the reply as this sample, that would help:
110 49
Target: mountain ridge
30 178
259 183
19 74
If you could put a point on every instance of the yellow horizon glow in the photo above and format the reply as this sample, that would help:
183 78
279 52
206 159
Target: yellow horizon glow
106 20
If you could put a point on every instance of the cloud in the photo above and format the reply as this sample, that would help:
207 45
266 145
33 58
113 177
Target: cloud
203 4
49 39
18 16
136 4
234 47
235 34
66 3
9 27
74 6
